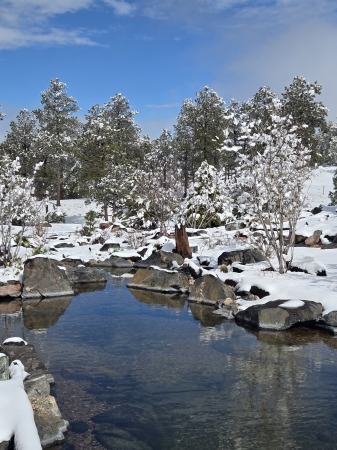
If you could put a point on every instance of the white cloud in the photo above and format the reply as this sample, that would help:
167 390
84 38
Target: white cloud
15 38
121 7
308 50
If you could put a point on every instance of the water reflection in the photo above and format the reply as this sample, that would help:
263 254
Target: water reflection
159 299
152 372
40 314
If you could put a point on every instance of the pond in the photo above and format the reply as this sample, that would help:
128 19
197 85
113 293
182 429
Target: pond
137 370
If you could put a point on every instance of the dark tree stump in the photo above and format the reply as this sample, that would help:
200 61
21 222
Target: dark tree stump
182 245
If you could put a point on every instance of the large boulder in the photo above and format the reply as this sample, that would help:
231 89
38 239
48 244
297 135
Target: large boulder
43 278
280 314
210 290
161 259
243 256
162 280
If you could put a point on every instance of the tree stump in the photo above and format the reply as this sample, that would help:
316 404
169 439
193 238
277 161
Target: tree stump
182 245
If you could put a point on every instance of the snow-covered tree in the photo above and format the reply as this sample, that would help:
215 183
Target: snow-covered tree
21 142
161 157
200 132
17 203
58 131
207 203
2 115
271 182
152 202
309 114
108 148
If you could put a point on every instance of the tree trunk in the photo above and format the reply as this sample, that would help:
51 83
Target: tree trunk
182 245
105 212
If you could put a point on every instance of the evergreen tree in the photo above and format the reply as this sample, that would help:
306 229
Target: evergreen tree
58 131
207 201
200 132
21 142
109 149
299 101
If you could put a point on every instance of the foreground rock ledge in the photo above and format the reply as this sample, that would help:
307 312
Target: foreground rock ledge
50 425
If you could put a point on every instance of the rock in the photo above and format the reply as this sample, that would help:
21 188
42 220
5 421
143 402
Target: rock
330 319
9 290
156 279
112 262
3 367
161 259
42 277
280 314
299 239
315 239
72 262
50 425
244 256
254 293
210 290
82 275
109 245
64 245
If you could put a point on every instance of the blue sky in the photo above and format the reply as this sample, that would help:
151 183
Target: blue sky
159 52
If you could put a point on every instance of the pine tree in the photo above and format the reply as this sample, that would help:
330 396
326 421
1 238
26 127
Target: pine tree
109 149
299 101
21 142
58 131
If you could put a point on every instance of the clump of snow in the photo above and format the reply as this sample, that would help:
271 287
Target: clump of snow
292 304
16 413
15 340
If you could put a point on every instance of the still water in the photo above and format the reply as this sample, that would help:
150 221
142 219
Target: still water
139 371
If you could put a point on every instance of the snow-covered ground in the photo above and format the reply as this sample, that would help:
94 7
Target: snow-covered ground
288 286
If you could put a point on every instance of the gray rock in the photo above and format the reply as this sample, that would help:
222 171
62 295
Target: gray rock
64 245
315 239
4 445
82 275
243 256
4 368
330 319
109 245
161 259
42 277
273 316
112 262
210 290
160 280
